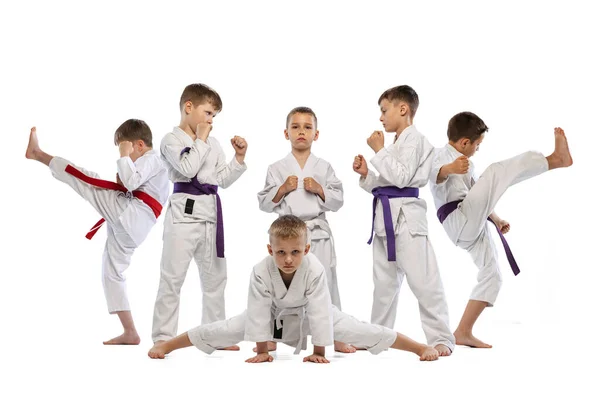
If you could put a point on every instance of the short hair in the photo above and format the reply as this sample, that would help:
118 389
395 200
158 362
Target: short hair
300 110
199 93
466 125
287 227
134 129
402 93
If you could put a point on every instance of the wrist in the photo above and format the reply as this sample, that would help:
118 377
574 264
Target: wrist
262 348
319 351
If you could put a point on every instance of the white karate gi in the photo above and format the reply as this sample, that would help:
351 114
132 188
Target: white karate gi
128 219
407 163
467 226
308 207
305 308
192 235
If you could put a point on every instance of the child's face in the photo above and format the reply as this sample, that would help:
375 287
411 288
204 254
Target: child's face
301 131
392 114
203 113
469 148
288 253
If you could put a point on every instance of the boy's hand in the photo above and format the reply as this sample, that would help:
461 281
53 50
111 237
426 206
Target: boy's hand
260 358
239 145
125 148
316 358
460 165
312 186
290 184
203 130
376 141
503 225
360 166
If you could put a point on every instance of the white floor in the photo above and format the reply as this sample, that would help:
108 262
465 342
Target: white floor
525 361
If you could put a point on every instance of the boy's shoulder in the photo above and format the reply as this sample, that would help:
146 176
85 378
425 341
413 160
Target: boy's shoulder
171 137
320 161
261 269
416 136
314 267
287 157
151 159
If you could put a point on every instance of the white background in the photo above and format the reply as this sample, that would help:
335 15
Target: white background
78 70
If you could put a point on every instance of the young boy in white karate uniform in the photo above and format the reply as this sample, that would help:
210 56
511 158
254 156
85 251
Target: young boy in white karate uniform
401 246
288 299
130 207
465 204
305 185
194 218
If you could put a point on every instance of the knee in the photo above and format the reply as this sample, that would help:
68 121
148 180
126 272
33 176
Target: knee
492 281
111 274
496 278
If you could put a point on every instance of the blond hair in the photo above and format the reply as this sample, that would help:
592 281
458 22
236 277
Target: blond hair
287 227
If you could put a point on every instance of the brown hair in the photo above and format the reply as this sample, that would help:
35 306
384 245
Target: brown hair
402 93
134 129
466 125
199 93
300 110
287 227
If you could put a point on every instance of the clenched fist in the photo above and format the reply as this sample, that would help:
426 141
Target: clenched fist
125 148
376 141
360 165
502 225
312 186
239 145
290 184
460 165
203 130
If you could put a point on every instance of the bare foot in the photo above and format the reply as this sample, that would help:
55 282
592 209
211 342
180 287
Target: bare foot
429 354
271 346
33 147
467 339
230 348
342 347
358 348
159 350
125 338
443 350
561 157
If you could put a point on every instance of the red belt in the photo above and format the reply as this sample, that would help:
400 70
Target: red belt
146 198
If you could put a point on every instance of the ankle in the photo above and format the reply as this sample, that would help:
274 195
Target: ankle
421 348
463 332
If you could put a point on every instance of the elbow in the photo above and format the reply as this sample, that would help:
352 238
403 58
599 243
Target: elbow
335 205
223 183
263 206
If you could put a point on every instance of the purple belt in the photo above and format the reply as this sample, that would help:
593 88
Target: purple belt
196 188
448 208
385 193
